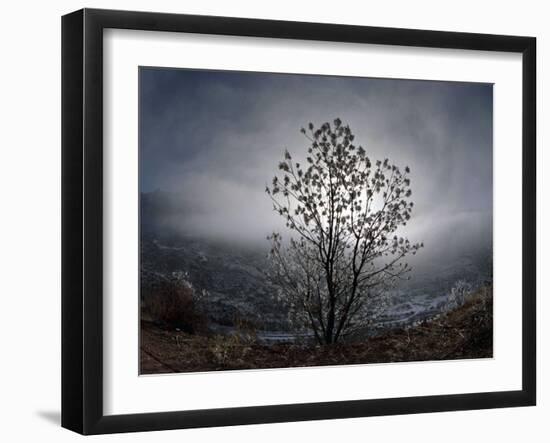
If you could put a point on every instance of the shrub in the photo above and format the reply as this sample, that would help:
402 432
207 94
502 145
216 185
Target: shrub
460 292
246 329
174 305
229 350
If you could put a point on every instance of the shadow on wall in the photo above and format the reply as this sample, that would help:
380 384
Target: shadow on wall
54 417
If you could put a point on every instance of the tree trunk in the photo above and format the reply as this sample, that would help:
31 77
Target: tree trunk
329 335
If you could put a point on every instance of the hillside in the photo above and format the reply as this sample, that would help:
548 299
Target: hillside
465 332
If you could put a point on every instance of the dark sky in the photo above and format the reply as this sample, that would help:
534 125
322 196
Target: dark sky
214 138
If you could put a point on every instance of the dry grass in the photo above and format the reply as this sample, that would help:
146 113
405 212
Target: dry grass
463 333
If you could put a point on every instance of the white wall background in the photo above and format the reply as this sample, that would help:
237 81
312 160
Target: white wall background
30 218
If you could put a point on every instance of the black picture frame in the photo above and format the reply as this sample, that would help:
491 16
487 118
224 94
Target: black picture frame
82 219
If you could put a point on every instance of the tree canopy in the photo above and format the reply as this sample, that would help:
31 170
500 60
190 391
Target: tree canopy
343 211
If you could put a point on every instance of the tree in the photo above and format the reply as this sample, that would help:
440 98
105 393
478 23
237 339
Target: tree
343 212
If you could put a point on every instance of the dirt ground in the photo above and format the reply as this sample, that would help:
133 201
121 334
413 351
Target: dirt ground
463 333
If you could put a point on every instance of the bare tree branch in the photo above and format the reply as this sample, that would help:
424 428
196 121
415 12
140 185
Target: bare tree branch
345 211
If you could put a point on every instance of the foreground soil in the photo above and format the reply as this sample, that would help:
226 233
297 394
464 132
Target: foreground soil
461 334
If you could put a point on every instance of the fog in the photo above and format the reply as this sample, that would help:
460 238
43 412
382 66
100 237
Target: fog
212 140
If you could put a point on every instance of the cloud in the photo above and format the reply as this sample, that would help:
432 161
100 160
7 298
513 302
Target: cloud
215 138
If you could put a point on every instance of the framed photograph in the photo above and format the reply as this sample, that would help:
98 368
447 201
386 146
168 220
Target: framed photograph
269 221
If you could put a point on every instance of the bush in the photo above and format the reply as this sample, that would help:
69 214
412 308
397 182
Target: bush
174 305
228 350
